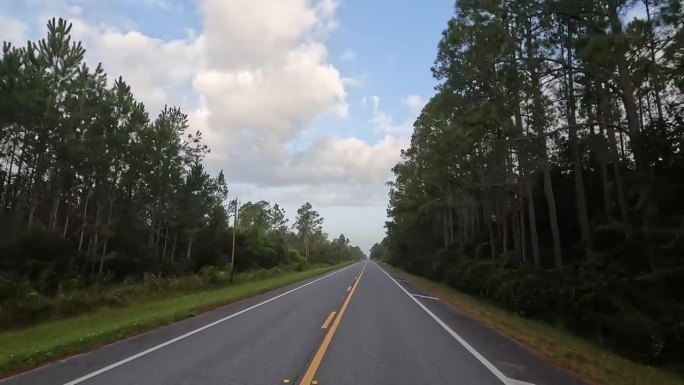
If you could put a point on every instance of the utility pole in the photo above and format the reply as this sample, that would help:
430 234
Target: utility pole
235 227
306 249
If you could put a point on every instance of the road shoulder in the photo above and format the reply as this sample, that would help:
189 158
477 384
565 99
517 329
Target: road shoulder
153 324
534 342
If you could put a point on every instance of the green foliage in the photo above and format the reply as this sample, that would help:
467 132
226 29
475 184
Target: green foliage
95 191
617 314
308 221
21 305
545 173
37 344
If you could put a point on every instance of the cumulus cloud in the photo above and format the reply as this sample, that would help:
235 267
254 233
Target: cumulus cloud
252 80
330 161
351 81
414 102
347 160
265 74
158 71
338 195
14 30
384 122
332 172
274 100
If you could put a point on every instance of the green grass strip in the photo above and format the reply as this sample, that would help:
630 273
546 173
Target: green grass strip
26 348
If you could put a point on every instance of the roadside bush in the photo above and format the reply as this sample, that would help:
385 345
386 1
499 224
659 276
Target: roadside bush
24 309
258 274
618 313
22 304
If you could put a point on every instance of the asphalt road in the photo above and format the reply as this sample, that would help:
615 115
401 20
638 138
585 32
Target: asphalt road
383 331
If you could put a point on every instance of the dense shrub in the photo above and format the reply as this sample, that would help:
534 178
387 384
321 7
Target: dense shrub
21 304
618 313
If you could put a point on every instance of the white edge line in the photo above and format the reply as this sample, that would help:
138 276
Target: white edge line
188 334
425 296
517 382
496 372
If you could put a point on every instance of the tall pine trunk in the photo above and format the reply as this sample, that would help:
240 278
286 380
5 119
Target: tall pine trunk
54 211
515 232
84 221
445 227
487 217
582 212
188 254
451 227
96 228
158 238
6 185
615 160
657 86
473 221
66 225
523 179
173 248
538 121
504 243
166 239
150 238
605 182
534 237
553 218
627 90
106 240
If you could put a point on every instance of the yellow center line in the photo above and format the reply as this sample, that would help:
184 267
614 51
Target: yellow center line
318 358
349 288
328 320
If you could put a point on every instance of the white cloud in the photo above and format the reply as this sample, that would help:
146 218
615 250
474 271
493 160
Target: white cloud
414 102
243 34
161 4
384 122
330 161
76 10
375 103
348 56
333 171
265 70
274 101
353 82
261 75
158 71
348 160
335 195
14 31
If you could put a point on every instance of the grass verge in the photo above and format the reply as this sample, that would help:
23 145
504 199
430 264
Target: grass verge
26 348
564 349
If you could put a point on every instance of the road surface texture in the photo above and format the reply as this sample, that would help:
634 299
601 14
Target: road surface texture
355 326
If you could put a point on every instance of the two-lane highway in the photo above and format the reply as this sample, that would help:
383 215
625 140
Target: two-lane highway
357 325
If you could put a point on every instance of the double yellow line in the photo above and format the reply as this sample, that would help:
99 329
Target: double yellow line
320 353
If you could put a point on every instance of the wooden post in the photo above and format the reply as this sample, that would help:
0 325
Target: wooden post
306 249
235 225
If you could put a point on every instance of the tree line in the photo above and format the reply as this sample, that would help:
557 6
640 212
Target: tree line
546 171
91 184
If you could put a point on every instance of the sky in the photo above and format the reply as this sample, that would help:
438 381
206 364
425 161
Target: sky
298 100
